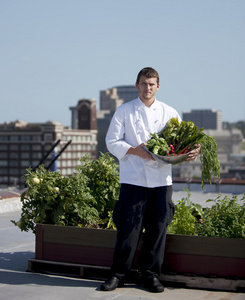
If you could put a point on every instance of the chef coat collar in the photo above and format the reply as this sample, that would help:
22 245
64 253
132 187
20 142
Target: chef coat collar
139 104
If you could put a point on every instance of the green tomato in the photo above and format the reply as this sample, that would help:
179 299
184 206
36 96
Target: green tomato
56 189
35 180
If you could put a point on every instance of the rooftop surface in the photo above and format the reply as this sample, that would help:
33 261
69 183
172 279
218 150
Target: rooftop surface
17 247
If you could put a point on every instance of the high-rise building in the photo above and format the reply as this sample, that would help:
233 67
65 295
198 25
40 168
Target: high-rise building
206 118
24 145
110 99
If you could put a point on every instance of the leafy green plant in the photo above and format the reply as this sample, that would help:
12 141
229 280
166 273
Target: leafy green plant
158 145
82 199
209 159
226 218
103 182
185 217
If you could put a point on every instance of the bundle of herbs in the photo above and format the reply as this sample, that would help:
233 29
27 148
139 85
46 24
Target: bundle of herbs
180 138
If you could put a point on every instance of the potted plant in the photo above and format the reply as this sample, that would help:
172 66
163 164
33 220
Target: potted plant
207 241
72 219
84 199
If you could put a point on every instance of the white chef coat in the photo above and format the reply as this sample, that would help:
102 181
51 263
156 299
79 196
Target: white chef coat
130 126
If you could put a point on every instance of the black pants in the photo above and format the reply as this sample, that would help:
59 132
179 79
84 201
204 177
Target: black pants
138 207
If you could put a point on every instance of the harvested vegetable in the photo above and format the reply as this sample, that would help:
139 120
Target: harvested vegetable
180 138
158 145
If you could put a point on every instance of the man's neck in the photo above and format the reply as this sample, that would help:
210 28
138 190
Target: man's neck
148 102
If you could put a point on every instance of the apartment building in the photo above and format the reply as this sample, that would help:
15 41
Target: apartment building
25 144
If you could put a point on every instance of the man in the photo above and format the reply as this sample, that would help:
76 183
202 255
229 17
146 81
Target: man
146 185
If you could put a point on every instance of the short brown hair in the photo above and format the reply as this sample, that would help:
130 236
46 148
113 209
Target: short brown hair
148 73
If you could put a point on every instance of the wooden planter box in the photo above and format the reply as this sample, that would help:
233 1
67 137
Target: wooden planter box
201 256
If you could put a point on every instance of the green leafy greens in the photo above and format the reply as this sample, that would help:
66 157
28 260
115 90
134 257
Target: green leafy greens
180 138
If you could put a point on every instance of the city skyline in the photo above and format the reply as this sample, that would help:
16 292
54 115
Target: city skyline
54 53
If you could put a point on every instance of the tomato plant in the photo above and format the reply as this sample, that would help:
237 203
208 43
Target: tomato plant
103 182
86 198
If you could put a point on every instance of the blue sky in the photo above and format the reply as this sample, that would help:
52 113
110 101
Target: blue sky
55 52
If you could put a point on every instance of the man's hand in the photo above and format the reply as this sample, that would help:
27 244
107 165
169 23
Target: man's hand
140 151
194 153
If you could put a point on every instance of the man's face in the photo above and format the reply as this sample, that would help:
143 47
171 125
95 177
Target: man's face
147 88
